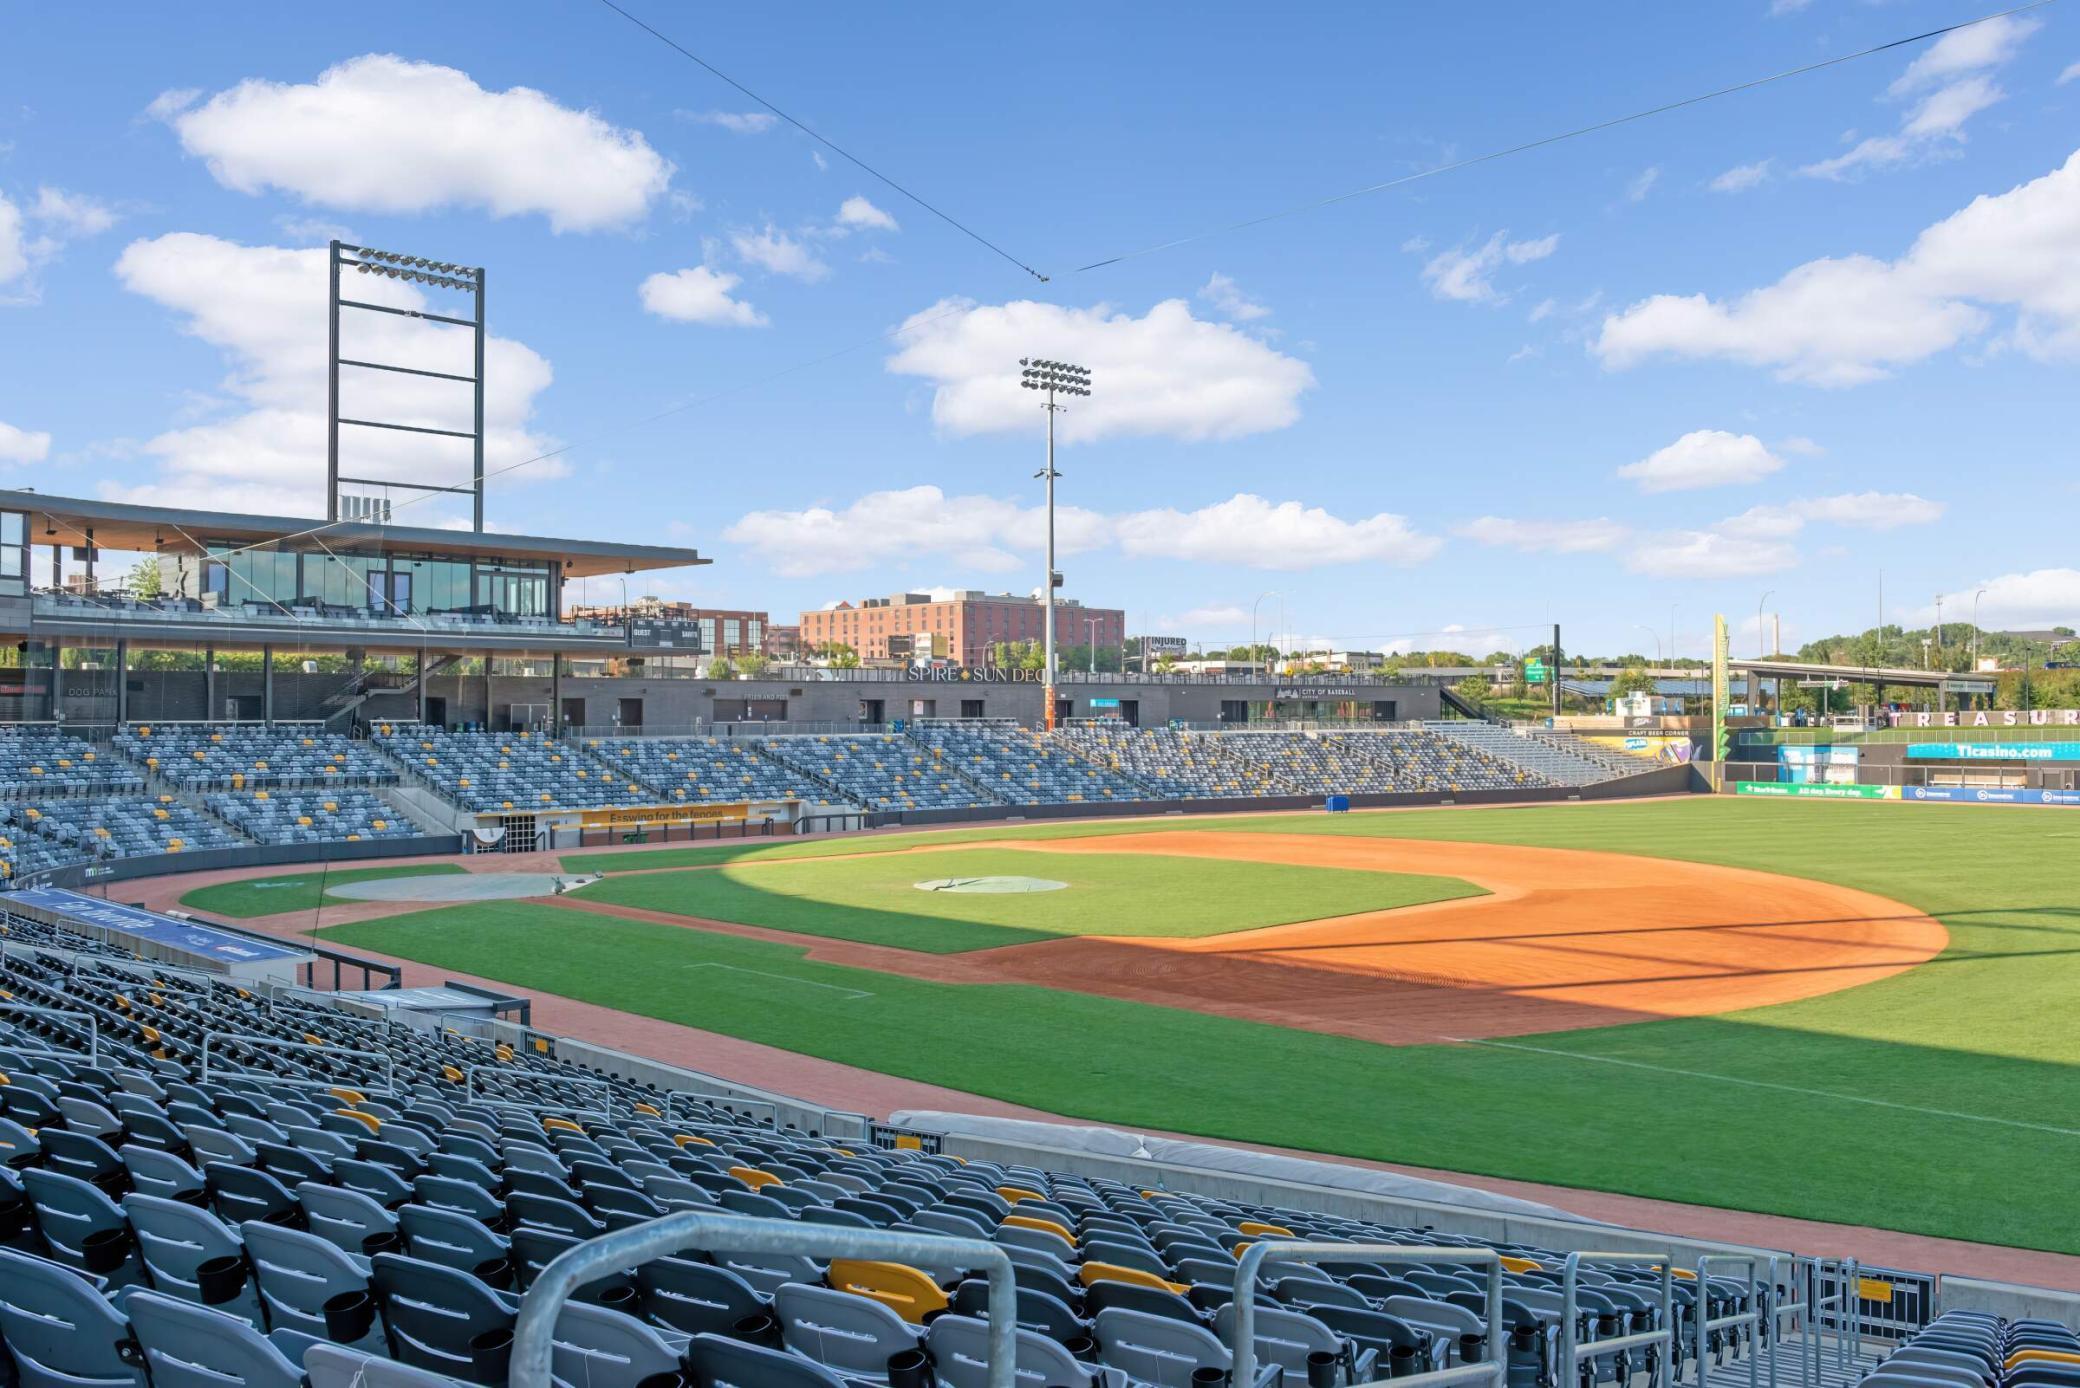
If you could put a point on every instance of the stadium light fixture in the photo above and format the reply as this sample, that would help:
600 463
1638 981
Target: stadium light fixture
1056 378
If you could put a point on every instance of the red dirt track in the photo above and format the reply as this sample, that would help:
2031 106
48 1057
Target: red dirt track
1565 939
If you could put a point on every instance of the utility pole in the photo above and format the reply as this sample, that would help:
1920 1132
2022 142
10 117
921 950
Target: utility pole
1054 377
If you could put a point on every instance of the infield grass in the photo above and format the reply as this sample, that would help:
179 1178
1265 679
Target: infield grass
876 900
1945 1100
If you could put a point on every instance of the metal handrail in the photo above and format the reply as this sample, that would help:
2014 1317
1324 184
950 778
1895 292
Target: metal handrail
471 1093
1573 1351
1243 1374
93 1051
1706 1325
386 1089
534 1333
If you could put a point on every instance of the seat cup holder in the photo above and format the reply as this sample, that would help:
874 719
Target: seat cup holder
105 1250
221 1278
490 1351
348 1315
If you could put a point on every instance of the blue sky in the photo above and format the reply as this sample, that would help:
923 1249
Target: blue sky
1774 343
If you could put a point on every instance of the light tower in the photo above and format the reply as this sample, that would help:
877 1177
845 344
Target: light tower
1056 378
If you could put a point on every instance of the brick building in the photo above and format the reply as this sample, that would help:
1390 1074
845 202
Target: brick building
960 627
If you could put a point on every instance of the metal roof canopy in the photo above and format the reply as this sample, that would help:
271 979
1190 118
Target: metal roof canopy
56 520
1945 680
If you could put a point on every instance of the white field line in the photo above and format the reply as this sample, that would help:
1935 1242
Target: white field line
1768 1084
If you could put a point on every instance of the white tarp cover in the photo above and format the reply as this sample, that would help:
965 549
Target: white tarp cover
1207 1156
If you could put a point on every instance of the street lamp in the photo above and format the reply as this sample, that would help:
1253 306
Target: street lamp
1090 631
1658 658
1975 628
1056 378
1764 602
1268 593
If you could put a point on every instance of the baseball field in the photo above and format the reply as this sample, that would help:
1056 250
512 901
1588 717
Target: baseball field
1849 1012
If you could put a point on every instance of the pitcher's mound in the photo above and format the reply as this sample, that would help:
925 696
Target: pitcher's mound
459 886
990 884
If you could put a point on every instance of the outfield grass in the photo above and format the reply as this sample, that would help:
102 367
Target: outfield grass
876 901
296 891
1942 1101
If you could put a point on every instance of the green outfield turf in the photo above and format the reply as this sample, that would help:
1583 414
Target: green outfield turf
1943 1101
295 891
875 900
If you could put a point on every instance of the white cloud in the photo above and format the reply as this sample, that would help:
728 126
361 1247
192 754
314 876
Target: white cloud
1965 50
71 214
1784 7
698 295
2039 598
1468 275
1250 530
313 229
1165 373
22 446
57 217
1545 536
1801 445
857 214
893 527
735 122
1950 80
1703 458
14 250
1856 510
264 308
995 535
1708 554
1841 322
1741 177
381 134
2071 74
777 253
1542 310
1643 183
1221 616
1227 298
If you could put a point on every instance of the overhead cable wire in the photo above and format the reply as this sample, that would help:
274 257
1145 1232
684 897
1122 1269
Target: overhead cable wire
824 140
1492 155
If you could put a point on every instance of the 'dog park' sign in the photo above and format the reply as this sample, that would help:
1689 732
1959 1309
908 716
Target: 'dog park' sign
1989 718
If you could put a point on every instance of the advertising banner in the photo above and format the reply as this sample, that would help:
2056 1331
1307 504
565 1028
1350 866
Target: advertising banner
1993 795
631 817
136 926
1994 751
1816 792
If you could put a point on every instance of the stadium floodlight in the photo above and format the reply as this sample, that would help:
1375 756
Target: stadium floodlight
435 274
1056 378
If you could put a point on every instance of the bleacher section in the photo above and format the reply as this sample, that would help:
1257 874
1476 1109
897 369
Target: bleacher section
1171 763
707 770
881 771
506 771
345 815
1024 769
304 1208
1376 763
39 762
1557 764
248 757
120 826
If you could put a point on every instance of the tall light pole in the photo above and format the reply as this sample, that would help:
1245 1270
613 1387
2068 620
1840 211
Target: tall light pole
1975 628
1090 631
1268 593
1762 603
1056 378
1658 658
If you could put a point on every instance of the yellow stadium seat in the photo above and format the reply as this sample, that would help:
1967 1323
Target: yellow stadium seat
902 1289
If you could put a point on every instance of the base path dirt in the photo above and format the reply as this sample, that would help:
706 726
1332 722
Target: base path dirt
1564 939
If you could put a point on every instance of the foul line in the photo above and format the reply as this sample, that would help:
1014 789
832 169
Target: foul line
1768 1084
786 978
